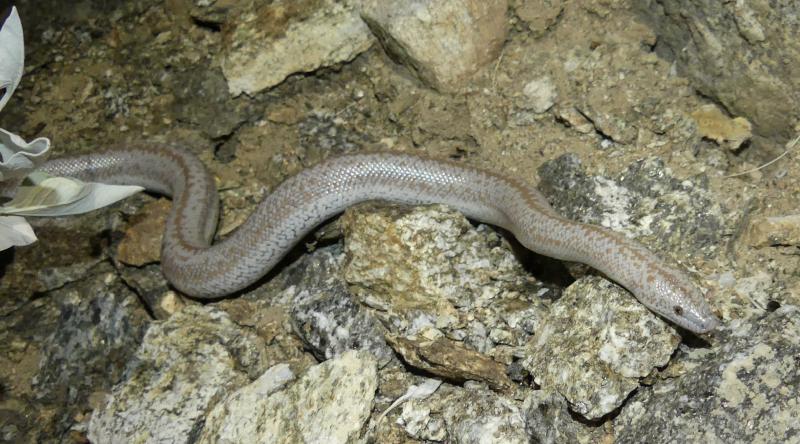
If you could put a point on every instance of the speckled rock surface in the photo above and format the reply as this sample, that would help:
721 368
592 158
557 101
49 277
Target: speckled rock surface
322 311
181 369
464 415
330 322
645 201
329 403
744 390
548 419
427 268
59 352
277 39
442 43
76 245
595 344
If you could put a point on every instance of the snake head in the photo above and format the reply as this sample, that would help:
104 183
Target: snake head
681 301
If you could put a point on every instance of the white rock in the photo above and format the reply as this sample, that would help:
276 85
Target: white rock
442 42
541 94
330 403
278 39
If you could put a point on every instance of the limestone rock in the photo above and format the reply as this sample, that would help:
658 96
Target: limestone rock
443 43
274 40
743 390
330 322
63 349
427 269
595 345
330 403
464 415
645 201
179 372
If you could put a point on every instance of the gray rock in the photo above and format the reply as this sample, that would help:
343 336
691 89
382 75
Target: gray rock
442 43
743 390
330 403
548 420
464 415
274 40
595 345
184 365
742 54
323 312
330 322
646 202
203 101
74 246
61 349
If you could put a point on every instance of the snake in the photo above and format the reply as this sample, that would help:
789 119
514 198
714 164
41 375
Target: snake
199 267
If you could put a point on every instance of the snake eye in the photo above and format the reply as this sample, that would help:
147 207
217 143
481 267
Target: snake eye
678 310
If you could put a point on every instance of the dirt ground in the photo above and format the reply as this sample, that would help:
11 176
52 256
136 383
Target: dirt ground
107 73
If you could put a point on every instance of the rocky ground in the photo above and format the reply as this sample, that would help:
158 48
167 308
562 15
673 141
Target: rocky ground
395 324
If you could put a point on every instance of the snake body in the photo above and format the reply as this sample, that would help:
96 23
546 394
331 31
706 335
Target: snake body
204 270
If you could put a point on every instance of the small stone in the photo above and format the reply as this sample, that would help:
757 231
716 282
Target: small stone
541 94
287 115
572 118
714 125
443 43
774 231
142 242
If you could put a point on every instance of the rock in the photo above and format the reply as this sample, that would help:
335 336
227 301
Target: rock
541 94
713 124
62 348
142 242
274 40
426 269
539 15
595 344
330 403
645 201
464 415
442 43
151 286
330 322
74 246
743 390
741 54
549 420
184 365
572 118
451 360
768 231
202 99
